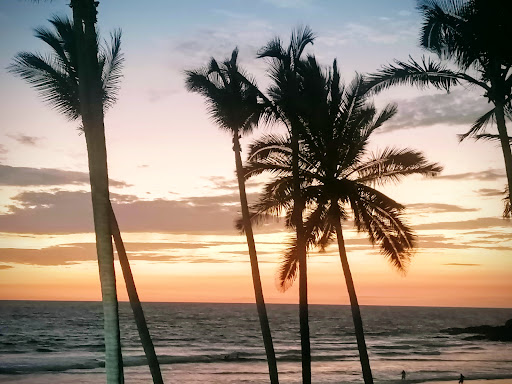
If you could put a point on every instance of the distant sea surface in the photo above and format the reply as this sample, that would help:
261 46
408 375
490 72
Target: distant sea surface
62 342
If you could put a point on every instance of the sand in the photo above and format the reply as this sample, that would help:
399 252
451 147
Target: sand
480 381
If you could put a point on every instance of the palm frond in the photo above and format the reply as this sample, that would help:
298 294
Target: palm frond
231 95
441 22
288 268
301 37
478 125
273 49
45 74
55 76
257 218
58 40
413 73
275 166
380 217
275 198
387 113
268 145
111 70
490 137
392 164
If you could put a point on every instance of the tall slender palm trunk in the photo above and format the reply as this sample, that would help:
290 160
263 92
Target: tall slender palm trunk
505 144
91 110
298 207
356 313
138 313
256 279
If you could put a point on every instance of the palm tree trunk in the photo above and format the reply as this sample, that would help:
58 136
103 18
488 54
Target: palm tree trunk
356 313
505 144
91 109
135 303
298 207
256 279
101 212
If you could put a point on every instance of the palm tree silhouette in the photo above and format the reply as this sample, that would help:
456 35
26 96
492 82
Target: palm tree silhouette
233 104
284 100
56 77
338 176
468 34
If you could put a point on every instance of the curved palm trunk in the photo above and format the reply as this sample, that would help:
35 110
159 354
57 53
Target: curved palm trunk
505 144
298 207
356 314
91 110
256 279
135 303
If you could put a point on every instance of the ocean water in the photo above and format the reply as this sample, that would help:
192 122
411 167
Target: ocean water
61 342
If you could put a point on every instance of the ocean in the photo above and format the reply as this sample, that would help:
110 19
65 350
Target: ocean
61 342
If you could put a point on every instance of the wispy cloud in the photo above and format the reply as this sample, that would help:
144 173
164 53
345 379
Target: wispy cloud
290 3
463 265
382 31
3 150
25 177
377 34
490 192
25 139
488 175
480 223
68 254
70 212
459 107
438 208
426 242
231 184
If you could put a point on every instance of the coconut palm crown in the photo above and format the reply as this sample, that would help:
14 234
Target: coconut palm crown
337 170
231 95
55 75
469 35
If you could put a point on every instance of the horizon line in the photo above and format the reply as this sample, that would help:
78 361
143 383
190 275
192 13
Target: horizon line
220 302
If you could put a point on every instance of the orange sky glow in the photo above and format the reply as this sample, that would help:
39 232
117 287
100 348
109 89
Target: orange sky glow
172 170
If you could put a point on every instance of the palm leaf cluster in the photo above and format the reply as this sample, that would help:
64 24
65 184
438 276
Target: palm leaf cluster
471 35
55 75
338 174
468 34
232 97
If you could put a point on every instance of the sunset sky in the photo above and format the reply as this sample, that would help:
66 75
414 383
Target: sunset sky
172 169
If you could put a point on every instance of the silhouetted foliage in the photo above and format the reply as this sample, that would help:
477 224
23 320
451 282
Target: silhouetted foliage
283 95
472 35
233 102
55 75
338 176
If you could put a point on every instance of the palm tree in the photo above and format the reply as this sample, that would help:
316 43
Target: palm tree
284 95
338 175
56 77
471 35
233 104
